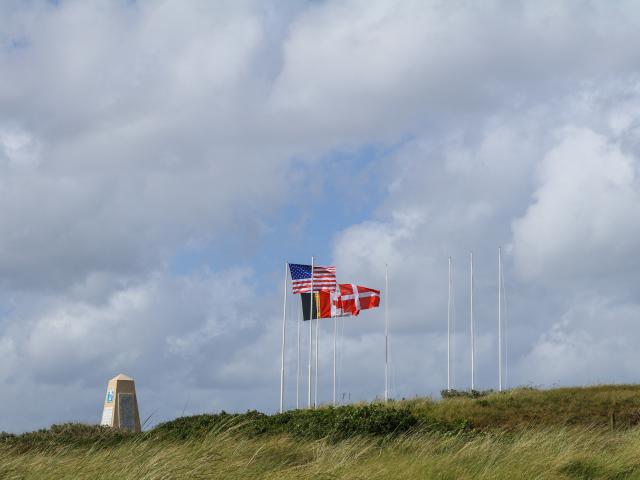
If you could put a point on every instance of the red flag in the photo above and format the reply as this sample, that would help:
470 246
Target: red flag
322 305
347 300
353 298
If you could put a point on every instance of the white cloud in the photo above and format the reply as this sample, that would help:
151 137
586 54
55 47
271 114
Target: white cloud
359 66
138 125
132 131
18 149
580 223
201 331
569 193
589 344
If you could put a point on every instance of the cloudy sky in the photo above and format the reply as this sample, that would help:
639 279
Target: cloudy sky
161 160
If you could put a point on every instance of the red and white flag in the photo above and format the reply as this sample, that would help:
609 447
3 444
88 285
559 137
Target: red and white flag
349 299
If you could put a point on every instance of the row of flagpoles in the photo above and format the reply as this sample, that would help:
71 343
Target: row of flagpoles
327 299
502 360
345 300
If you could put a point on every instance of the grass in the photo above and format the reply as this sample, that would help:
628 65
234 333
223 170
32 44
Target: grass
573 452
526 407
563 433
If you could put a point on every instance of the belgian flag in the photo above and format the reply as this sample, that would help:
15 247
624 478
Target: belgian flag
321 305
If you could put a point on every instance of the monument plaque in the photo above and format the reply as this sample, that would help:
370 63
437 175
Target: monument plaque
125 407
121 404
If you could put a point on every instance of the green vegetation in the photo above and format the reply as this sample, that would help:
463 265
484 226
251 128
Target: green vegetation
332 424
571 433
530 408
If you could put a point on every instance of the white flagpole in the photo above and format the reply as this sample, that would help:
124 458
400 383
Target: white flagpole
298 365
310 335
499 319
335 334
449 332
386 334
315 391
284 324
473 338
453 330
505 327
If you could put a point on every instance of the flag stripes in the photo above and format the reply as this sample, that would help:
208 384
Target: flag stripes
324 278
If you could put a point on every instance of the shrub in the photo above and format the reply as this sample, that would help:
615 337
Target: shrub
67 434
465 393
333 423
184 428
342 422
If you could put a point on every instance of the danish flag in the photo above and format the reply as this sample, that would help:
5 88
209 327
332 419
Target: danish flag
353 298
347 300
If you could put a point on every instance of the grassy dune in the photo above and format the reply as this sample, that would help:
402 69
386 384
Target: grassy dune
543 453
563 433
522 408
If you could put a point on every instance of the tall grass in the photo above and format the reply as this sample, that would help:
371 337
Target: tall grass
572 452
526 407
523 434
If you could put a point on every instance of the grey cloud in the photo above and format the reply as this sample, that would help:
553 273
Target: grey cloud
130 131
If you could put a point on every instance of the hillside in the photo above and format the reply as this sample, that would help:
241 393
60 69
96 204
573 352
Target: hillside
522 408
561 433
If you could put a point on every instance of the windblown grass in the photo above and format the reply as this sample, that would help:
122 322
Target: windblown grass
572 452
524 434
526 407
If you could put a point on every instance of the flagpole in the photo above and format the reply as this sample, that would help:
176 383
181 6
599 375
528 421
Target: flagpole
298 365
386 334
335 334
315 391
449 332
310 335
284 324
505 327
499 319
453 330
473 338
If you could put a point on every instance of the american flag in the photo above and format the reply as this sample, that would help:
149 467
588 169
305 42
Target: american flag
324 278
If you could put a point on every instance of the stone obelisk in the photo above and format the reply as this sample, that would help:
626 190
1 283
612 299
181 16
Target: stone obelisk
121 404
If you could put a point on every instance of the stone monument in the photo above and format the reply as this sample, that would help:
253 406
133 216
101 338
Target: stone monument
121 404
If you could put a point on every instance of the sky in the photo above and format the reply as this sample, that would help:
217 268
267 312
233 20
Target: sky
160 161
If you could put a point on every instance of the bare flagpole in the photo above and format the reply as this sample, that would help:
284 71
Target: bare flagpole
505 327
473 337
386 334
453 330
298 365
449 331
499 319
284 324
310 335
